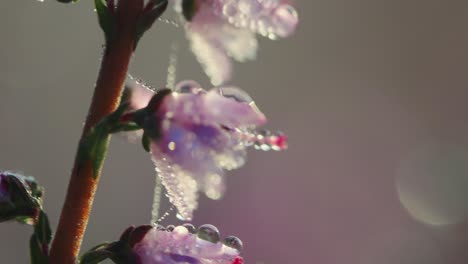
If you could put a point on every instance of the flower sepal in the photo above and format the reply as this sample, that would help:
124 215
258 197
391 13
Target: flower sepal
152 11
40 240
120 252
189 8
93 146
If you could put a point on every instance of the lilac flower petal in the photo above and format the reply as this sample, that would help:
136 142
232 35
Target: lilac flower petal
266 17
180 246
231 113
213 40
140 95
212 57
183 259
182 188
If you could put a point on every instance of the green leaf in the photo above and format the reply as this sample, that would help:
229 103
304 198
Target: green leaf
99 152
147 19
37 255
96 254
42 229
106 20
145 141
189 9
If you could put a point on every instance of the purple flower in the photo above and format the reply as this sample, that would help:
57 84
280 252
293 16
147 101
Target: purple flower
219 29
178 246
171 245
197 134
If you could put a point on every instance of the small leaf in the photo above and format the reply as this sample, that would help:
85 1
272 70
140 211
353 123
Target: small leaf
42 229
145 141
147 19
106 20
99 153
37 255
96 254
188 9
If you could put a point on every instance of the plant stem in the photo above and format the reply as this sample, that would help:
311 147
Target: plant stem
82 185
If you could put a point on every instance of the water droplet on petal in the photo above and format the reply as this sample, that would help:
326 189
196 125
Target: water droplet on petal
190 87
279 141
209 233
191 228
182 218
286 20
233 242
230 10
236 94
160 228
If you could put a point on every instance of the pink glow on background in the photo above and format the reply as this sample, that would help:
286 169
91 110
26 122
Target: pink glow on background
360 88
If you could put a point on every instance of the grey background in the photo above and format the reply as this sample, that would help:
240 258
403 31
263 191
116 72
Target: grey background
361 85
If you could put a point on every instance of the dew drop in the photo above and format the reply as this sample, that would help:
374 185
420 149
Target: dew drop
191 228
181 218
209 233
188 87
236 94
230 10
233 242
160 228
286 20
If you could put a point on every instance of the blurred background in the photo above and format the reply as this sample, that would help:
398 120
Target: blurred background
372 94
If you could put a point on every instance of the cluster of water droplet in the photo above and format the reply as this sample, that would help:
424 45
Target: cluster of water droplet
175 244
206 232
266 140
181 188
261 140
270 18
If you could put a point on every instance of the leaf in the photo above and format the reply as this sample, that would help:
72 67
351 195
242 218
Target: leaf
145 141
42 229
40 239
106 20
99 152
96 254
37 255
147 19
188 9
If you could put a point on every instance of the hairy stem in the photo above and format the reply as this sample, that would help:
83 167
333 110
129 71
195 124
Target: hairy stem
82 185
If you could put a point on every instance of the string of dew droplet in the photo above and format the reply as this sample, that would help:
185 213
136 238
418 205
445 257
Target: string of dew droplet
165 215
263 140
169 22
156 200
172 68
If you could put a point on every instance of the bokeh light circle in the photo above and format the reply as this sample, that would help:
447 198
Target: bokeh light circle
432 184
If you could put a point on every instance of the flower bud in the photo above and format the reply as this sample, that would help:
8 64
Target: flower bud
20 198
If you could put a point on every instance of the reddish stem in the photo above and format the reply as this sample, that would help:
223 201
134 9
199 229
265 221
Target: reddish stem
82 185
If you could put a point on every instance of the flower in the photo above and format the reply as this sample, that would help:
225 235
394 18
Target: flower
171 245
195 135
182 246
20 198
219 29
